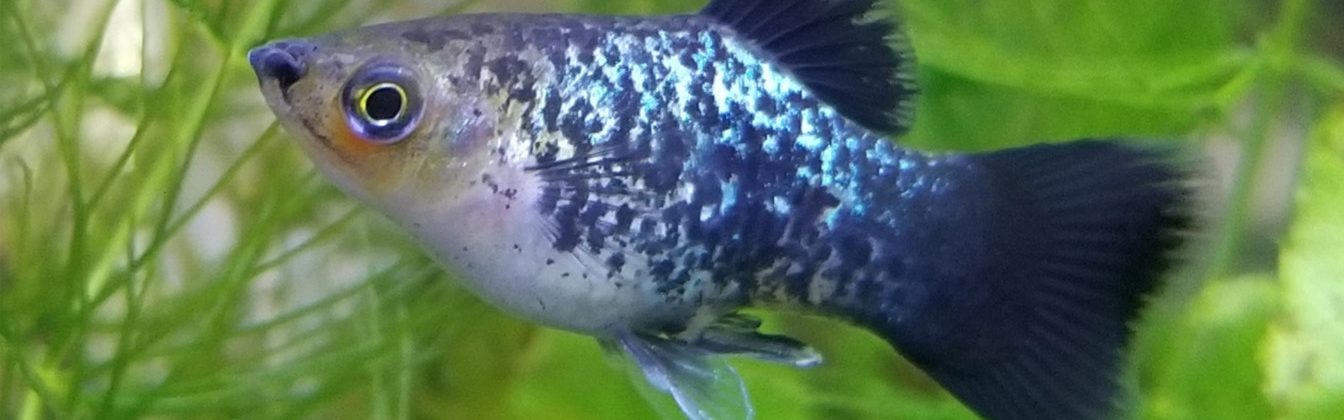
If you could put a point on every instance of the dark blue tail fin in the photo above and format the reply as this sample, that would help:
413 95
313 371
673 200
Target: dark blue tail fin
1082 233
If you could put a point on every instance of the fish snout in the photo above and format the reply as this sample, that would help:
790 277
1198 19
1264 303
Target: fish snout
283 61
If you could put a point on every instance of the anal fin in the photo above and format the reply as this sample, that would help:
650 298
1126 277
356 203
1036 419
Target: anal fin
737 334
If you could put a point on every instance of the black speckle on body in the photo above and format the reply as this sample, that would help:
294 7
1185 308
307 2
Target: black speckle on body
667 148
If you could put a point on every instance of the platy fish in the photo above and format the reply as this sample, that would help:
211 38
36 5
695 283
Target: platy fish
643 180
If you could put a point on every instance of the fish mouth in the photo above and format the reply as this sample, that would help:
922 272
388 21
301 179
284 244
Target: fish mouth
279 65
285 62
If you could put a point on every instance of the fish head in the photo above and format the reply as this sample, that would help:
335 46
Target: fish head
386 124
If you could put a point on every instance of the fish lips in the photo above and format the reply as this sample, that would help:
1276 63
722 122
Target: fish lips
285 62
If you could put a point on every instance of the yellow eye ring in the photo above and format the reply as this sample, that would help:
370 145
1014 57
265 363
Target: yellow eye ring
382 104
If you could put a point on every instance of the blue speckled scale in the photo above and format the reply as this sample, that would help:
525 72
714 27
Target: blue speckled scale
664 141
641 179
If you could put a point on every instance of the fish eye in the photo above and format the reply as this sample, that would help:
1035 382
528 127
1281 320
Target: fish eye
382 103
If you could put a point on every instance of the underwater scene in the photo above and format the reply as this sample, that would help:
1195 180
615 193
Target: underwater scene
705 209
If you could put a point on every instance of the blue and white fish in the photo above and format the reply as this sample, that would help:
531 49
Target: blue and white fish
644 179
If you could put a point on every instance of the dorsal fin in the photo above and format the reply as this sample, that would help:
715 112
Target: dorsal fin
845 51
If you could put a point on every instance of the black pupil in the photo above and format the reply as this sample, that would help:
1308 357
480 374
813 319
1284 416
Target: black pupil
384 103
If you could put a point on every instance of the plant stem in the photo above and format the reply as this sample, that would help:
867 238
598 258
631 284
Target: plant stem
1279 50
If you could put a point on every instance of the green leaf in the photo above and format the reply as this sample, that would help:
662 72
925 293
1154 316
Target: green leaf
643 7
1305 365
1220 332
1007 73
566 376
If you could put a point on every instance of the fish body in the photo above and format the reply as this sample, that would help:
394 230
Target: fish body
645 168
642 179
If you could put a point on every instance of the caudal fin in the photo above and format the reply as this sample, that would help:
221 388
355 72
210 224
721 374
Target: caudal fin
1082 233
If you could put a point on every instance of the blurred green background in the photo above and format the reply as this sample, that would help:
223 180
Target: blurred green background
166 252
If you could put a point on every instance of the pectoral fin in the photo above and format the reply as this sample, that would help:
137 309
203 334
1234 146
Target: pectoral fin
703 384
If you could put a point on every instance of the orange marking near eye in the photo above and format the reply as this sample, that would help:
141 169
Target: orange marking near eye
345 140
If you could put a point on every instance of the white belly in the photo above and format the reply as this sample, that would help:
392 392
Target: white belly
497 244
